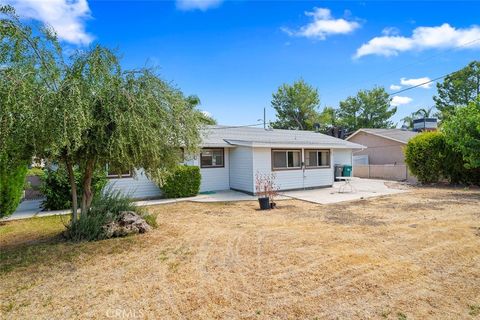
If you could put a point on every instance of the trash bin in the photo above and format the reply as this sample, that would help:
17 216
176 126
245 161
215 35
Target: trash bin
347 171
338 172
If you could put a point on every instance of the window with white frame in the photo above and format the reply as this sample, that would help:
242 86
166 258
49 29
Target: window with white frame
212 158
286 159
317 158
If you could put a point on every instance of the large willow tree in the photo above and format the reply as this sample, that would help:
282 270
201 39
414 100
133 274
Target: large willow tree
88 112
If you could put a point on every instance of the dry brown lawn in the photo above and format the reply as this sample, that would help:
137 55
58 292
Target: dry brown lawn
408 256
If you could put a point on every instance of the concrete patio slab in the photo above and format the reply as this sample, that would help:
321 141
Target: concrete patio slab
363 188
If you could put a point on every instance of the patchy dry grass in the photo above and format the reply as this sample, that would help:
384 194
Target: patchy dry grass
412 255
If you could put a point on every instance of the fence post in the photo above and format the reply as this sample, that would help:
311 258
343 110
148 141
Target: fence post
368 171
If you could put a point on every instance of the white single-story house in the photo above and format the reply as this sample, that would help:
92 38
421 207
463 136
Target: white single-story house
231 156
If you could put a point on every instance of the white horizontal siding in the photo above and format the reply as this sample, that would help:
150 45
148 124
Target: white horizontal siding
291 179
213 179
137 187
241 169
342 156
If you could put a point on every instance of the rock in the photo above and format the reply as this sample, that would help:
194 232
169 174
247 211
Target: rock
128 222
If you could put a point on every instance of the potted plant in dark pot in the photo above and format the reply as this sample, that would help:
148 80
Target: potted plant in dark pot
266 190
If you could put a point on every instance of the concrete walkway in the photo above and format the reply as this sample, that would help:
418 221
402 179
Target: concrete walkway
364 188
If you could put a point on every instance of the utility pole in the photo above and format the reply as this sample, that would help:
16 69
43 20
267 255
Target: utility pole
264 119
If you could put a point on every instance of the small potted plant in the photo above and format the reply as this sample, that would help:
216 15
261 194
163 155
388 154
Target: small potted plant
266 190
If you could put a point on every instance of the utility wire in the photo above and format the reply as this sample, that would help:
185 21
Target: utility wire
409 65
421 84
239 126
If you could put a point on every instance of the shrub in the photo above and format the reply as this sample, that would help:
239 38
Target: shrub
431 158
184 181
56 187
35 171
105 209
11 187
151 219
424 156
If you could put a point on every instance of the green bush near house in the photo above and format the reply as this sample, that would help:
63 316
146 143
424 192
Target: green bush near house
184 181
430 158
11 187
56 187
424 155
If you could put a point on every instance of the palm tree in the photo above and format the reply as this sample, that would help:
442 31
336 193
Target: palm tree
426 113
408 120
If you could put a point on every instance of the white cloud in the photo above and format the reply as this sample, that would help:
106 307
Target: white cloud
395 87
201 5
441 37
206 113
390 31
67 17
416 82
323 25
399 100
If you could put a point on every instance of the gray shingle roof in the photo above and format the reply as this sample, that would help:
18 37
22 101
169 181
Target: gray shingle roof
224 136
394 134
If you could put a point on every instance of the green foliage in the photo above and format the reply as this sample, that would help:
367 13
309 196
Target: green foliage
105 209
296 106
35 171
57 190
184 181
205 118
86 111
430 159
88 227
462 133
11 187
368 109
458 89
151 219
424 156
326 118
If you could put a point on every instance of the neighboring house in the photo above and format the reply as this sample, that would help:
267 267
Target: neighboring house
383 146
231 156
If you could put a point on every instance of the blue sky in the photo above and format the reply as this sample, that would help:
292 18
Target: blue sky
234 54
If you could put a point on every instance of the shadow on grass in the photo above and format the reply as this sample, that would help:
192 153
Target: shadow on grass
39 242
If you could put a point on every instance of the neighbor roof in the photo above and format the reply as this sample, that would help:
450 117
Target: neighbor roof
225 136
398 135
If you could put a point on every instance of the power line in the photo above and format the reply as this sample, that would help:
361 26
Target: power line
421 84
239 126
409 65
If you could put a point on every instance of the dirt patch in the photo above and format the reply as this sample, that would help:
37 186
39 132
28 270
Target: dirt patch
392 257
398 185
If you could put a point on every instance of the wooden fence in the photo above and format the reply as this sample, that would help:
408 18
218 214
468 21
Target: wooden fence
398 172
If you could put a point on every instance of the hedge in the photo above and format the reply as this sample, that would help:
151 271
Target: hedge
11 187
184 181
431 159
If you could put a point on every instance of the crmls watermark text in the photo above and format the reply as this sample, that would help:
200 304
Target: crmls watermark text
120 313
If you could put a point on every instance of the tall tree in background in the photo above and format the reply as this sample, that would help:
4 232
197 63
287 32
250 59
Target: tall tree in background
458 89
368 109
88 112
408 120
296 106
205 118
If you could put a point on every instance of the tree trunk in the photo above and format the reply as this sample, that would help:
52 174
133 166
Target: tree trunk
87 196
73 187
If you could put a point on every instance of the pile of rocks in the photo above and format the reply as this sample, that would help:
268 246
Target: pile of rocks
128 222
